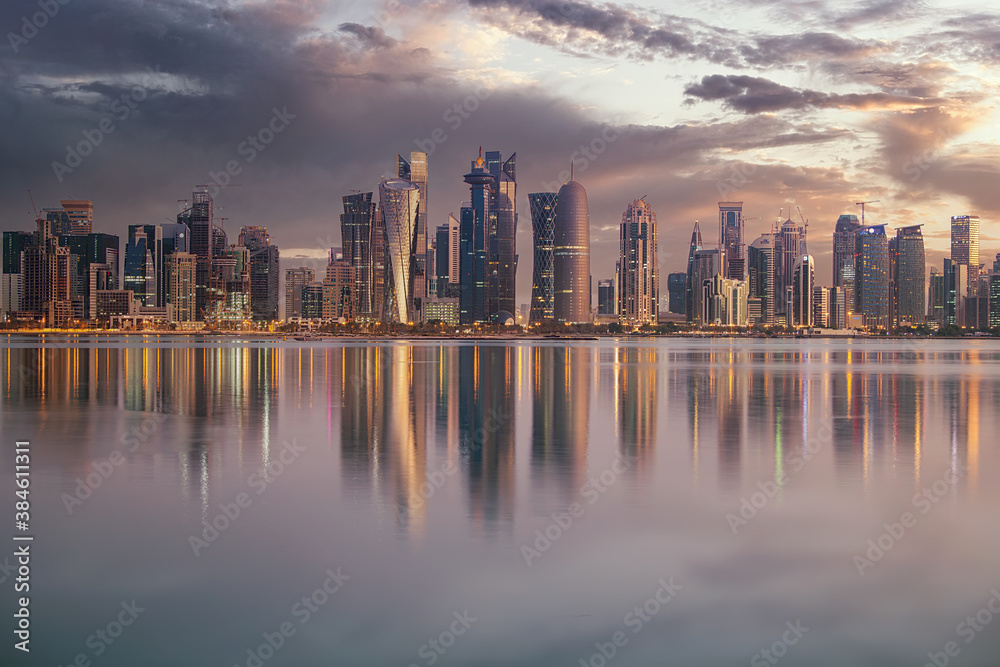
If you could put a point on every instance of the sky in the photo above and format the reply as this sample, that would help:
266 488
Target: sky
788 106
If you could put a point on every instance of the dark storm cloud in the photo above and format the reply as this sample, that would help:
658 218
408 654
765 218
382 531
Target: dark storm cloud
616 30
372 36
750 94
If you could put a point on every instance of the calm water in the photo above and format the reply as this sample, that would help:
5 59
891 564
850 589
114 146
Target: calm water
518 504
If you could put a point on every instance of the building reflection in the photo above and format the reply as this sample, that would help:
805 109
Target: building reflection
635 408
486 418
560 415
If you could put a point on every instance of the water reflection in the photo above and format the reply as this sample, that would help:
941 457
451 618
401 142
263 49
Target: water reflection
396 412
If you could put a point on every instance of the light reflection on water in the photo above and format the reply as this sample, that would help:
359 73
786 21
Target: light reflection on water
428 469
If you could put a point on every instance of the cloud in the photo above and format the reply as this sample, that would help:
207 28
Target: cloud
750 94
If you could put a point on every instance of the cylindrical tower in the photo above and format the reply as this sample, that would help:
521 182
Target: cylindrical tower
571 255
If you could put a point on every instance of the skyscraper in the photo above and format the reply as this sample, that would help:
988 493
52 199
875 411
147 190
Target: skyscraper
677 292
936 297
844 248
357 231
81 216
143 263
543 218
47 290
11 289
399 200
606 297
965 248
872 277
415 171
475 245
760 258
181 274
731 238
503 232
787 253
295 280
571 255
264 263
803 282
956 280
691 299
638 265
910 275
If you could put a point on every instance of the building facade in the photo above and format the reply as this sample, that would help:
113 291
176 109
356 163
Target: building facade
543 219
638 265
571 256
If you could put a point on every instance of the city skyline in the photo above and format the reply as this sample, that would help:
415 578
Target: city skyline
864 118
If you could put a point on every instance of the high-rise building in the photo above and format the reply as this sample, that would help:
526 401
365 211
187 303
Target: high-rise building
761 275
86 251
81 216
872 277
446 258
638 265
844 248
143 261
936 297
182 268
837 308
571 256
75 218
475 242
502 232
263 272
543 218
787 252
731 238
46 284
995 298
708 263
606 297
803 284
399 201
357 231
821 307
11 289
312 301
910 275
965 248
677 293
295 280
692 299
339 285
415 171
724 301
956 280
207 241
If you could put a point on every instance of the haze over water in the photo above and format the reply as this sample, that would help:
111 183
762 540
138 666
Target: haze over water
427 471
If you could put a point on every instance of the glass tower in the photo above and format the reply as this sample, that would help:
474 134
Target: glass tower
543 219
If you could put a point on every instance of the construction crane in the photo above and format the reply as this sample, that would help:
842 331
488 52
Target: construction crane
34 210
805 223
862 205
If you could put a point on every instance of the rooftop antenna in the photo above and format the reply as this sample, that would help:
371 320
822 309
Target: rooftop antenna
571 170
